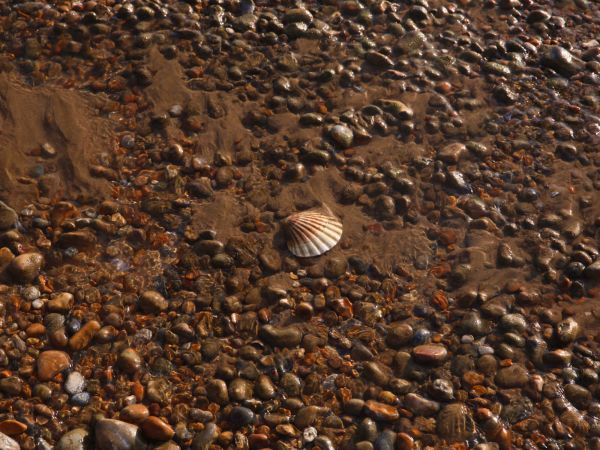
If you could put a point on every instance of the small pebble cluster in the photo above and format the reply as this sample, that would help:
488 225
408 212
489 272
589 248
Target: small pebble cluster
151 151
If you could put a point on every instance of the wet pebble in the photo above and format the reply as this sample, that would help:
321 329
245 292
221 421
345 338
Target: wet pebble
111 434
50 363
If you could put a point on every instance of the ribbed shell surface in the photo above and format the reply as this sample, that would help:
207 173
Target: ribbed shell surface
312 233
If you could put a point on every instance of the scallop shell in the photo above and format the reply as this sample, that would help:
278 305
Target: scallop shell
455 422
312 232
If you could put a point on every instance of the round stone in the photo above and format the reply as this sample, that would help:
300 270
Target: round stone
74 383
26 267
342 135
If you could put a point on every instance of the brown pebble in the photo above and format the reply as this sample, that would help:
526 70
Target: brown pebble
155 428
84 336
35 329
12 427
50 363
430 354
381 411
135 413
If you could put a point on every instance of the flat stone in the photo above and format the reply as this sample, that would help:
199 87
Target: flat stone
155 428
76 439
421 406
430 354
50 363
114 434
381 411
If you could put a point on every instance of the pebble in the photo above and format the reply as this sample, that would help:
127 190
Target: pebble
430 354
82 338
26 267
153 302
421 406
381 411
50 363
512 377
129 361
8 217
76 439
111 434
12 427
75 383
154 428
135 413
341 135
7 443
281 336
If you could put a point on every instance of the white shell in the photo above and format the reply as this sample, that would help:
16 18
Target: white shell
312 232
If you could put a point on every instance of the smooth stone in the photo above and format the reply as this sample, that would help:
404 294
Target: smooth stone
152 302
81 399
512 377
8 443
381 411
452 153
76 439
240 389
401 110
289 336
399 335
62 303
204 439
12 427
26 267
129 361
8 216
114 434
241 416
154 428
421 406
74 383
264 388
514 322
561 60
50 363
378 59
342 135
306 416
592 272
159 391
84 336
386 441
335 267
430 354
135 413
